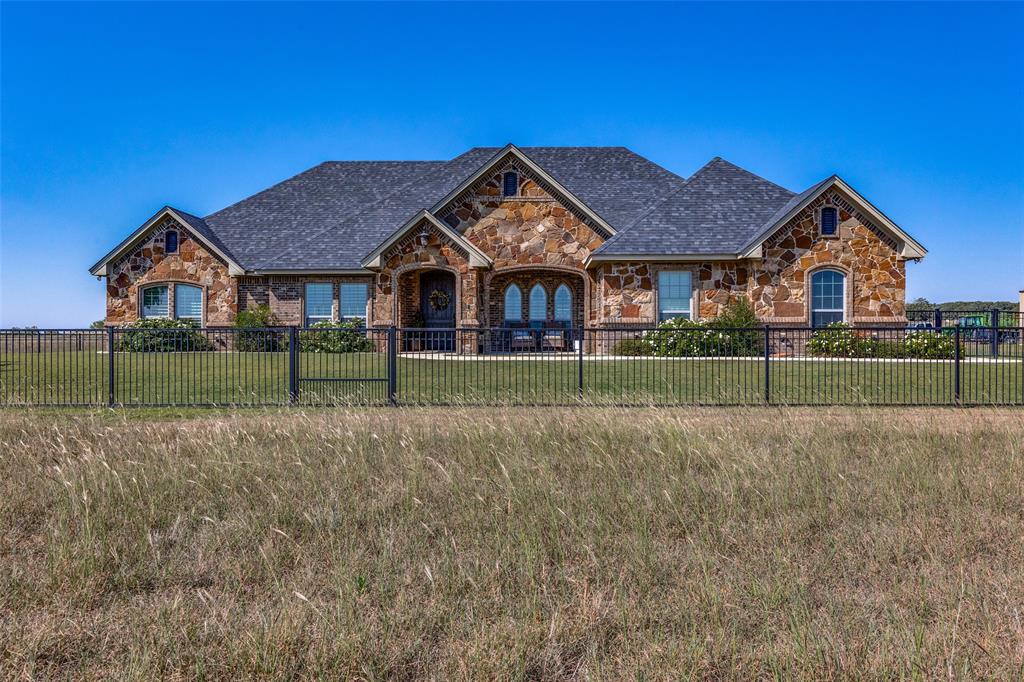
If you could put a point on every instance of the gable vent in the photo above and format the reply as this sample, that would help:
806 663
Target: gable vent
828 220
510 184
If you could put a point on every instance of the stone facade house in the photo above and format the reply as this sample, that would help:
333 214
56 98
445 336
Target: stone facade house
571 236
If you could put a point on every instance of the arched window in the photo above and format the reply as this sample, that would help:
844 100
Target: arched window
513 304
563 304
828 292
538 304
171 241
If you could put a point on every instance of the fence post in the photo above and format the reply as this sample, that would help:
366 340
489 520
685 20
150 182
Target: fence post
767 370
293 365
392 365
111 395
938 318
579 363
995 332
956 365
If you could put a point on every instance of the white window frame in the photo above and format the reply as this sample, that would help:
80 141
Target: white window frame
665 314
306 317
202 302
842 310
142 301
341 300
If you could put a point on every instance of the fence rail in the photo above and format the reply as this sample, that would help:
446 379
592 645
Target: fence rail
530 366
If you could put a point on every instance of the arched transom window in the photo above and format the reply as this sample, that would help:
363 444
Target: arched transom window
538 304
563 304
513 304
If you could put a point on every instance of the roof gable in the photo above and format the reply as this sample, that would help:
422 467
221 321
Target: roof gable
908 247
713 213
197 226
477 258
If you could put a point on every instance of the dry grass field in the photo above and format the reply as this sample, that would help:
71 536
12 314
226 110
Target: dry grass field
512 544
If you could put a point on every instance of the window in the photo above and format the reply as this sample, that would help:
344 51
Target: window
827 295
513 304
188 303
154 302
563 304
829 221
319 303
171 241
538 304
353 301
675 290
510 184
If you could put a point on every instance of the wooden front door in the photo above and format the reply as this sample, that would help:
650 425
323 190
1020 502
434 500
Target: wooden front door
437 303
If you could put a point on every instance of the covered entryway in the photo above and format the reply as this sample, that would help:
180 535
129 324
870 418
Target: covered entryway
437 306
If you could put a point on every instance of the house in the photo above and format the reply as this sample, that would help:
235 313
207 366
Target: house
574 236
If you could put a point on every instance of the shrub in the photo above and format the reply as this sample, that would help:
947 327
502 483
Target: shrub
632 347
836 339
260 317
840 340
733 333
929 345
160 335
335 337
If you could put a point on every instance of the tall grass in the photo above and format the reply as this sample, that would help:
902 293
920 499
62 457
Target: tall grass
513 544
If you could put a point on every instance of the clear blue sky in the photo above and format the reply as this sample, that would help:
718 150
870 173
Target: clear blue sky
111 111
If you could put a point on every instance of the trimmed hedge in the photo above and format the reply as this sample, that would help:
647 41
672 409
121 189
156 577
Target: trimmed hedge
263 341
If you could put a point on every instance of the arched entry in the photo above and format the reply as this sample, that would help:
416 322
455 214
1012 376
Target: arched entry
437 298
437 307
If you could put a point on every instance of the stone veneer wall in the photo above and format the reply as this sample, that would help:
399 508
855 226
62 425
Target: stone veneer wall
777 284
408 254
285 294
191 264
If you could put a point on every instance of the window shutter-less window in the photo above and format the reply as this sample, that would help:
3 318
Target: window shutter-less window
353 301
188 303
674 292
513 304
538 304
319 303
563 304
154 302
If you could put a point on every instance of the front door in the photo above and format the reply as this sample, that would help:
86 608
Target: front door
437 303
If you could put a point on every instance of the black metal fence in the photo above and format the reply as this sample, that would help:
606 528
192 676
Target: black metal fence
981 320
532 366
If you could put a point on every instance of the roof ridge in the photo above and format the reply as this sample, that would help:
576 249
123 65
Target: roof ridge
352 216
761 178
650 209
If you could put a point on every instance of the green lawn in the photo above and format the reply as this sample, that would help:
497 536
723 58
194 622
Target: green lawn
228 378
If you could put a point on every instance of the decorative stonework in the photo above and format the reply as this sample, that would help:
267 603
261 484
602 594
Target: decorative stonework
777 284
531 229
149 264
408 254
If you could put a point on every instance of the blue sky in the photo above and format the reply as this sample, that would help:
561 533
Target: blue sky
110 111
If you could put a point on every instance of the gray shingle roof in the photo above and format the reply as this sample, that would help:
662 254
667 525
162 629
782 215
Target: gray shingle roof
330 216
716 211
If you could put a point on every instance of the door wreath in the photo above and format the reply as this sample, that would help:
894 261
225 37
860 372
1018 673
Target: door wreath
439 300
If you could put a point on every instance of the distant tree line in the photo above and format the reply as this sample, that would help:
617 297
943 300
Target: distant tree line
921 304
